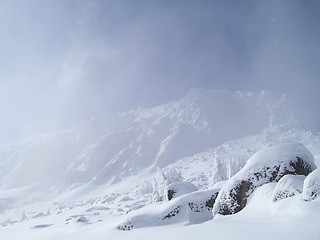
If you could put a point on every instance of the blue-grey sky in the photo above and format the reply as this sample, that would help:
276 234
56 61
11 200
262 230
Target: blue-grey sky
62 62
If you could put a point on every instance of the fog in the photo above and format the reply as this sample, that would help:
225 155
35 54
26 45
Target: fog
63 62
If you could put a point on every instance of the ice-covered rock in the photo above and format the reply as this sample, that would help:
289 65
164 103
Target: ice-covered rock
195 207
288 186
311 186
267 165
178 189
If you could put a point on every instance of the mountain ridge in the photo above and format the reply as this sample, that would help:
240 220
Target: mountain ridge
108 148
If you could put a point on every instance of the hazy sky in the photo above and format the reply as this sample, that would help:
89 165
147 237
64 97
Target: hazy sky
64 61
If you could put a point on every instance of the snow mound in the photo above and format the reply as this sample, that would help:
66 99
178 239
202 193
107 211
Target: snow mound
267 165
288 186
311 186
178 189
195 207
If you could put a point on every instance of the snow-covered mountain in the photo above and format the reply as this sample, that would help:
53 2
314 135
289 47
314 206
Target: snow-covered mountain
108 148
82 181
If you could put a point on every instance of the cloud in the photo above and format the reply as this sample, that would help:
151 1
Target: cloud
63 62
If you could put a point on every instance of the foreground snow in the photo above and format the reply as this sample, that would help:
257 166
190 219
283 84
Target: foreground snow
290 218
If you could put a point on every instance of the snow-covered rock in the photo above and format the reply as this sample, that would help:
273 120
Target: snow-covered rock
195 207
311 186
178 189
288 186
267 165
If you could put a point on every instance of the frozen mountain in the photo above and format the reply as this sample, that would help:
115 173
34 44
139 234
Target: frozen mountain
109 148
89 179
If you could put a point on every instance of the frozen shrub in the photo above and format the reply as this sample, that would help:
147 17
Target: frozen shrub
155 187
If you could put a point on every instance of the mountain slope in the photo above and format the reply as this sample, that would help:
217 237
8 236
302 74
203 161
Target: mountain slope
108 148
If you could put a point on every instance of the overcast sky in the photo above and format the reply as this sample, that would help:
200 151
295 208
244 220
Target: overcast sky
62 62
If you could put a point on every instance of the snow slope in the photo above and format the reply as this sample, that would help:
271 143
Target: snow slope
82 181
106 149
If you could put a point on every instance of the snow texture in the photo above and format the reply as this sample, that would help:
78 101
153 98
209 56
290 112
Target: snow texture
288 186
311 186
267 165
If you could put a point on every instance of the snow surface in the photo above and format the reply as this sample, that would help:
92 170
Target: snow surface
291 218
84 181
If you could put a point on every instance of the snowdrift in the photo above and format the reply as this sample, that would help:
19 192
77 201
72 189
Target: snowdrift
195 207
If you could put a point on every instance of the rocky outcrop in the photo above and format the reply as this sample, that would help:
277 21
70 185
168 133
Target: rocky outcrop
267 165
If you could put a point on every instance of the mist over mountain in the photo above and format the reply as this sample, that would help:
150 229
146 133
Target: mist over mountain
109 148
66 61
